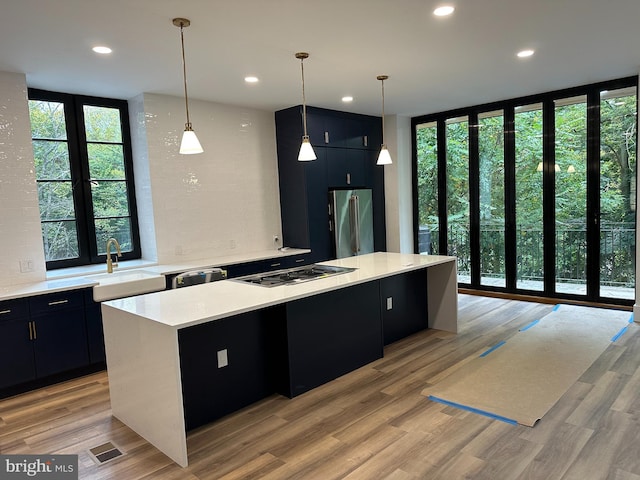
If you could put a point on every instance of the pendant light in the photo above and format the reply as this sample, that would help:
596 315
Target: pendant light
383 158
306 150
190 143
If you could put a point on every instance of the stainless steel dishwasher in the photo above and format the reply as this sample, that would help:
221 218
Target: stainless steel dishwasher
196 277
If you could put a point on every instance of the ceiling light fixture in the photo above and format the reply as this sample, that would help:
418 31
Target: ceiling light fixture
190 143
306 150
383 158
525 53
251 79
102 49
443 11
347 99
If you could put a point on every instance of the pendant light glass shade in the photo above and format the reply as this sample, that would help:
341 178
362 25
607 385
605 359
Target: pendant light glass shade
306 150
384 158
190 143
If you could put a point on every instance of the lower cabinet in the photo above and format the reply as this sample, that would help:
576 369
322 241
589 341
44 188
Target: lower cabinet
42 336
331 334
17 363
224 366
95 334
59 332
403 303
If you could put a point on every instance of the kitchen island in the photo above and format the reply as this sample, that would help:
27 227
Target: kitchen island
173 354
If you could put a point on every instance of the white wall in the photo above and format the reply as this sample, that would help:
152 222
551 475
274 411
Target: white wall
20 234
399 185
223 201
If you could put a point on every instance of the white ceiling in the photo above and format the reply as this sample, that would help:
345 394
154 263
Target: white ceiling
434 64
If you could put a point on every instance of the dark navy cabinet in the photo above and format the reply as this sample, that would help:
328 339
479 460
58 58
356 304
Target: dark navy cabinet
17 363
49 338
224 366
95 334
59 332
403 303
331 334
346 145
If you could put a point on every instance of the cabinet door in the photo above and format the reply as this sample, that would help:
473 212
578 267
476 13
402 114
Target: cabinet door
60 341
211 388
403 302
346 168
17 364
95 334
332 334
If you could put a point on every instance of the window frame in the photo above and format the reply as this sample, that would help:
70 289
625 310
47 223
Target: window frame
592 93
81 182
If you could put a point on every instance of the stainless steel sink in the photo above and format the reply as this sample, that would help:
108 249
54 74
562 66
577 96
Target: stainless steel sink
293 276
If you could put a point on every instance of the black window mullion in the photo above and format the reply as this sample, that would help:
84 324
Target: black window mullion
510 236
88 225
593 195
443 239
548 195
474 198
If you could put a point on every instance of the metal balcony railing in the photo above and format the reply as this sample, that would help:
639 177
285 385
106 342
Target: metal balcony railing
617 252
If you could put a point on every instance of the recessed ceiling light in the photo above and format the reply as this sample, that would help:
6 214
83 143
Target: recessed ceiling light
347 99
443 11
525 53
251 79
102 49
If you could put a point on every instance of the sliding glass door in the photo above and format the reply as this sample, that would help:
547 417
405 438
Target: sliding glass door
534 196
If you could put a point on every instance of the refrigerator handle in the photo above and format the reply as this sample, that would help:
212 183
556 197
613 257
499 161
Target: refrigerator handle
354 223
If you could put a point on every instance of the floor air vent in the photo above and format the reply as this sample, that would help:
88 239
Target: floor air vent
105 452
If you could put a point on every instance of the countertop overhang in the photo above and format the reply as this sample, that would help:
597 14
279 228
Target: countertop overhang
198 304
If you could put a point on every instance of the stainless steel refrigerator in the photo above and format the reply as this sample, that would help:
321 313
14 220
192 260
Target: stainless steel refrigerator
351 213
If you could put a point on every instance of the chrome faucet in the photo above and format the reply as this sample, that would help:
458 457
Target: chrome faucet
109 261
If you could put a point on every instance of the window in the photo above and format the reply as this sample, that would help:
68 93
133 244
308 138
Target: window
82 150
534 195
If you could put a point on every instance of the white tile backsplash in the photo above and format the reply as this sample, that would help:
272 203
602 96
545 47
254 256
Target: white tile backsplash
223 201
20 234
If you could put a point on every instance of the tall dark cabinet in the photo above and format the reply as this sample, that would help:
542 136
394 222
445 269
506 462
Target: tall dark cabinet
347 147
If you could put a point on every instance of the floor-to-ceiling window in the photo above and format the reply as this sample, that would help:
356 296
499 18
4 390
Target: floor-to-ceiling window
534 195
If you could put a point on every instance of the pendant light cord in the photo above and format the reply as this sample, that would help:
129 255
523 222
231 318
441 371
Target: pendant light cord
304 100
382 81
184 77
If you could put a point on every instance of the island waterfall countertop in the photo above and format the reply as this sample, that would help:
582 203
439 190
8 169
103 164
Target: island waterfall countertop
148 364
203 303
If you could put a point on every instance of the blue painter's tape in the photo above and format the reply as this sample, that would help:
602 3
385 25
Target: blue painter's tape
619 334
473 410
527 327
556 308
631 318
495 347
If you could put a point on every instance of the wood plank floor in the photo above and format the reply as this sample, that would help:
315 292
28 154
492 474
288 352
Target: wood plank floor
370 424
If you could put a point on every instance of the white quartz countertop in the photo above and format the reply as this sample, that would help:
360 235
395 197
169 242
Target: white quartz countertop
185 307
80 277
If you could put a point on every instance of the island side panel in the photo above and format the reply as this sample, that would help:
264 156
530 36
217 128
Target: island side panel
442 296
144 380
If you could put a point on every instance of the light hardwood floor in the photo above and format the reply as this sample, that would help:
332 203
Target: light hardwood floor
370 424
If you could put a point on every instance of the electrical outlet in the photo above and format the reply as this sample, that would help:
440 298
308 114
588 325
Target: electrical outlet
389 303
26 266
223 358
